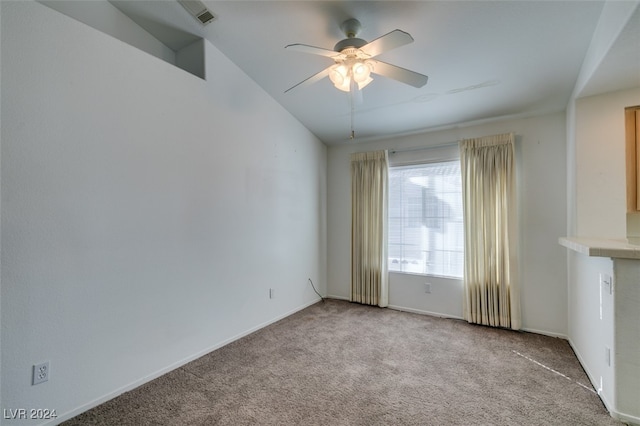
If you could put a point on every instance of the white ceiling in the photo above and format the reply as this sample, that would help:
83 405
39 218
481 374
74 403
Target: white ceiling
484 59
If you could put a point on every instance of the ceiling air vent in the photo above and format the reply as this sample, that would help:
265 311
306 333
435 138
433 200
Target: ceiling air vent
198 10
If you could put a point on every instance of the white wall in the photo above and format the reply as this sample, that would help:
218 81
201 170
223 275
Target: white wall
145 212
597 167
596 207
600 164
104 16
627 337
589 331
541 160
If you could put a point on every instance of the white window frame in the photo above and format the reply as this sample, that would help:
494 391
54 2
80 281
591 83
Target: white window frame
412 159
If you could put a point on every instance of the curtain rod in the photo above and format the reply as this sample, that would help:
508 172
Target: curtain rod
420 148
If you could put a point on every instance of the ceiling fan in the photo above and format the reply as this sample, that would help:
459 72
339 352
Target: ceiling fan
354 60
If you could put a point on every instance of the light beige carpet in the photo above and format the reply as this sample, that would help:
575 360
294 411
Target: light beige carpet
338 363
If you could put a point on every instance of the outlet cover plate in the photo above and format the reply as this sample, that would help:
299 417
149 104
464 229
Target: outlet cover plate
40 373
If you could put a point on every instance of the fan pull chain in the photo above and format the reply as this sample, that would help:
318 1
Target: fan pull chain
353 132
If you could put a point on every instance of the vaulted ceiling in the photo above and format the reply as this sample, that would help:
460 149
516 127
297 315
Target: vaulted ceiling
484 59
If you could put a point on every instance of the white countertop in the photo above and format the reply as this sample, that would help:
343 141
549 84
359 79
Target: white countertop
601 247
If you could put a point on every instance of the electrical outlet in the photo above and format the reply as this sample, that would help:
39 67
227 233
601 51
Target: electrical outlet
427 288
40 373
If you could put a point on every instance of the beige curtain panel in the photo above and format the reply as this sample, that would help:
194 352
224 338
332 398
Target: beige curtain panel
491 295
369 186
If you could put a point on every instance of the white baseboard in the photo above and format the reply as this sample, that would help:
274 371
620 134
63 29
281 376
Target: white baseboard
625 418
405 309
595 383
331 296
546 333
70 414
421 312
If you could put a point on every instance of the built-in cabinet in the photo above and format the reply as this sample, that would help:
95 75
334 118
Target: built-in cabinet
632 160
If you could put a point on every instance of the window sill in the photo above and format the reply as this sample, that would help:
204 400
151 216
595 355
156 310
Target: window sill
447 277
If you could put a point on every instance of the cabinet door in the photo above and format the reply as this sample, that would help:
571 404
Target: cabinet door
635 135
632 127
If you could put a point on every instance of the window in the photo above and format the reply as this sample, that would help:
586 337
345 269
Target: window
425 219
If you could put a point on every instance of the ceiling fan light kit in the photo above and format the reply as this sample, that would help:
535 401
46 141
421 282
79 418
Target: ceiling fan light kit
351 71
353 60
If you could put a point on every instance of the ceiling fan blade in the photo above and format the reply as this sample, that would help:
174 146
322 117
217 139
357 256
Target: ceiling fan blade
395 38
313 50
316 77
400 74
